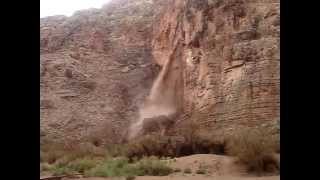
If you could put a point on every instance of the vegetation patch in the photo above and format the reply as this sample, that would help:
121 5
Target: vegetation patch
121 167
112 168
150 154
254 148
130 177
191 140
63 152
187 171
153 166
76 166
201 170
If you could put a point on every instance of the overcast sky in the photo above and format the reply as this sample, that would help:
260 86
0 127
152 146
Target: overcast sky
67 7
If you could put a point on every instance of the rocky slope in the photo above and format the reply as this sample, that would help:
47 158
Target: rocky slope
219 64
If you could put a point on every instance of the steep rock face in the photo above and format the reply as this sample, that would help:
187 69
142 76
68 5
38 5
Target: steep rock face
219 64
228 53
96 68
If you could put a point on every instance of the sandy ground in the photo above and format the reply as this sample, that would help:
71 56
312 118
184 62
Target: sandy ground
217 167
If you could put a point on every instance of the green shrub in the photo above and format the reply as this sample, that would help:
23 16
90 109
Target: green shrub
62 170
121 167
112 168
153 166
254 148
82 165
76 166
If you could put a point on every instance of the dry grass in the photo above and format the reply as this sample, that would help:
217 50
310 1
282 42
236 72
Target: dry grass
254 148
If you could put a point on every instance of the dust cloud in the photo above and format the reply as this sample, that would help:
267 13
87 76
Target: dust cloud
161 100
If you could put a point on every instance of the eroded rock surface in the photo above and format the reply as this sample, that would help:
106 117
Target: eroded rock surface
96 69
227 53
220 64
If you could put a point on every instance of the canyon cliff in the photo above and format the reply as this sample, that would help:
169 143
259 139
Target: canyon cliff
214 62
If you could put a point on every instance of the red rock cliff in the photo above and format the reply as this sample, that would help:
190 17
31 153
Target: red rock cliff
219 64
227 54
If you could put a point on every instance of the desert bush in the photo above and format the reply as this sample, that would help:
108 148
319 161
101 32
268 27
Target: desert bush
149 145
199 140
50 152
191 140
254 148
51 156
45 167
177 170
187 171
201 171
65 152
208 143
116 150
130 178
276 144
101 137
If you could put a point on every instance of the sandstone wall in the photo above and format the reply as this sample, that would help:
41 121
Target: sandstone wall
220 63
229 53
96 70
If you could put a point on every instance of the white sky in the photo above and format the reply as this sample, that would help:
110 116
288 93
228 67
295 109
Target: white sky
67 7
